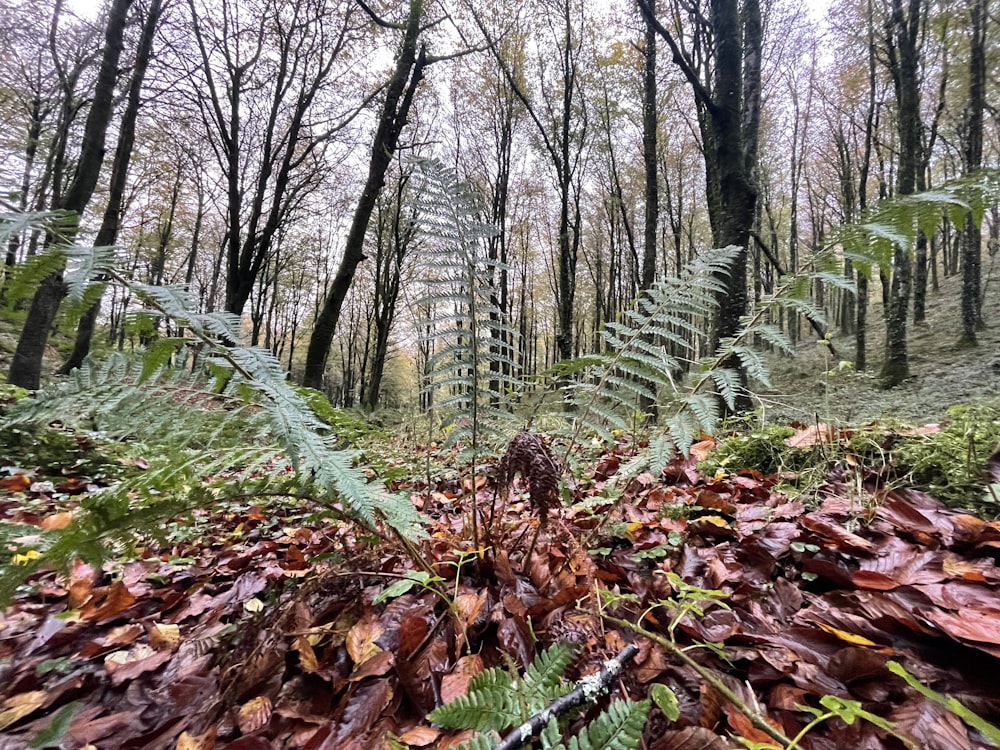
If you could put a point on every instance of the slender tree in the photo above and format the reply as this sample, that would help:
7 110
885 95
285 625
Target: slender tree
412 61
108 232
973 158
26 366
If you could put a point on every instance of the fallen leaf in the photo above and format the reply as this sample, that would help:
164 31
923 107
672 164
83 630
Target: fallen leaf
254 714
361 639
420 736
57 521
852 638
18 706
188 741
165 636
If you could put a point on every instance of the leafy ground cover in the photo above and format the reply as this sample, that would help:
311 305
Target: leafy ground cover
268 623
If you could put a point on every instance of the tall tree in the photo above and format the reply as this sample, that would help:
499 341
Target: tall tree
973 158
264 70
412 61
560 118
108 232
26 366
902 45
724 72
650 126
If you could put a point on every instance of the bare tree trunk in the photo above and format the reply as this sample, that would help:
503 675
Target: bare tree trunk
409 72
26 366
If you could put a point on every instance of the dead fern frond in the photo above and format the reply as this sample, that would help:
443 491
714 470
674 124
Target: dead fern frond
530 457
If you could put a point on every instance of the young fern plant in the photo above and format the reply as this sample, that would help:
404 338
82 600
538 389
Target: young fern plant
533 703
235 413
472 361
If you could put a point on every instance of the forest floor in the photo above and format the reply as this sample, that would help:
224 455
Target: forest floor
810 386
844 609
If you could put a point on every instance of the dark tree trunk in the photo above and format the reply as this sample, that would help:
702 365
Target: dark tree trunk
649 132
729 116
972 235
108 232
408 73
26 366
903 47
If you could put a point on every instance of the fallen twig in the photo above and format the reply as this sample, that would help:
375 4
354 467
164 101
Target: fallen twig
587 690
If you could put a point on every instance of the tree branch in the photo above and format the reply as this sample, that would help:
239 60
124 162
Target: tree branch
587 690
379 21
700 92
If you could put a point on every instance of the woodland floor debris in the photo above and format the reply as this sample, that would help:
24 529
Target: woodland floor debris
264 634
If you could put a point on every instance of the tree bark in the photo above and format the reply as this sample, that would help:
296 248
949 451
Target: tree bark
409 71
108 232
972 235
26 366
903 47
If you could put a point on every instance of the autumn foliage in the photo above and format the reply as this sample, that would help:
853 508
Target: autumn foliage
260 630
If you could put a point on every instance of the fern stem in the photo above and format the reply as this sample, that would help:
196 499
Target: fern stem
720 687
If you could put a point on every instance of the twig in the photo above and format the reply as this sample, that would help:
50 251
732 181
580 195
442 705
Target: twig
587 690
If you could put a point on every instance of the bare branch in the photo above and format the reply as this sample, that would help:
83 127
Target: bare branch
700 92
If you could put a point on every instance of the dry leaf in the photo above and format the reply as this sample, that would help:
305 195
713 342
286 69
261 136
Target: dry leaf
361 639
307 657
165 636
254 714
18 706
420 736
188 741
57 521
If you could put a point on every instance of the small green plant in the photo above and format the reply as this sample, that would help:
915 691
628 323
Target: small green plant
533 702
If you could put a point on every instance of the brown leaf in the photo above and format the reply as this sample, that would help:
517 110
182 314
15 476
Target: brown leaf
254 714
18 706
16 483
361 638
188 741
420 736
125 666
57 521
361 710
164 636
456 682
307 656
111 602
690 738
376 666
808 436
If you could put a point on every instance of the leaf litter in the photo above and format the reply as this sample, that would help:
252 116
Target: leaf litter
265 632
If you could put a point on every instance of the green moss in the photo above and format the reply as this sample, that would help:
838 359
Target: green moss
762 449
951 464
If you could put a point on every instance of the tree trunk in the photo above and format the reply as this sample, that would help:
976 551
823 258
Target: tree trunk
409 71
649 132
108 232
26 366
972 234
903 40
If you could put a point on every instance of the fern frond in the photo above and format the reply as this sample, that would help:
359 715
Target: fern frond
482 709
617 728
543 678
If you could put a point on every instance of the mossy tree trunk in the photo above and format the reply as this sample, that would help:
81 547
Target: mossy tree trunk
903 40
971 235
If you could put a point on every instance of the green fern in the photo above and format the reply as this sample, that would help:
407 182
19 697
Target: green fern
235 414
497 700
472 365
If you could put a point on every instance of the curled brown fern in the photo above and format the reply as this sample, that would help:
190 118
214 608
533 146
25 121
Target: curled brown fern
530 457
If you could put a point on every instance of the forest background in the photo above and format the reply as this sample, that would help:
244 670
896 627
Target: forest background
253 155
572 242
